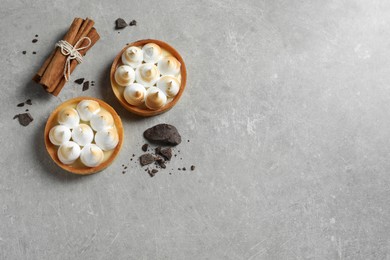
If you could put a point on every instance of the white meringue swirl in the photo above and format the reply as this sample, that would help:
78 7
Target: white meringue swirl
87 108
147 74
68 117
124 75
59 134
169 66
132 56
152 52
82 134
107 139
68 152
135 94
102 120
91 155
155 98
169 85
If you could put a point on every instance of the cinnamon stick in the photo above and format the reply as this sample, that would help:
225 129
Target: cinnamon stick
94 36
51 73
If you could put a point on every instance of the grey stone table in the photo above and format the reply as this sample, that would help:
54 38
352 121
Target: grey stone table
287 110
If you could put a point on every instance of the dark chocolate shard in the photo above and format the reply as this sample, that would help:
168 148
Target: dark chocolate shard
161 162
28 102
79 81
24 52
192 167
133 23
86 86
163 134
146 159
145 147
25 119
120 23
20 104
167 153
34 40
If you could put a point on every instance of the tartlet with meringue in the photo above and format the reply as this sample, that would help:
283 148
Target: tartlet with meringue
83 135
148 77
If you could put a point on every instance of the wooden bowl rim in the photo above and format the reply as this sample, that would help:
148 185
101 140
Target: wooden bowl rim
52 149
141 111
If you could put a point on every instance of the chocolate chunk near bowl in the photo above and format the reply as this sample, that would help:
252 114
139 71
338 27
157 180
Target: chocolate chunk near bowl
146 159
163 134
167 153
145 147
24 119
120 23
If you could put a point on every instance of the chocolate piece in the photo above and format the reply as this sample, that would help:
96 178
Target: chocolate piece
27 110
28 102
36 35
145 147
161 162
34 52
192 167
164 134
133 23
184 168
24 119
86 86
20 104
151 173
146 159
79 81
157 150
154 171
120 23
34 41
24 52
15 116
167 153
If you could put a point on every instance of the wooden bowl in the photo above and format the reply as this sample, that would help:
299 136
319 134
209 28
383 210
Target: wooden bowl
78 167
118 90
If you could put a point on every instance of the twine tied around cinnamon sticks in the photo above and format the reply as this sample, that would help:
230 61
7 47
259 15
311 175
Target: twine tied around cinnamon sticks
57 68
72 52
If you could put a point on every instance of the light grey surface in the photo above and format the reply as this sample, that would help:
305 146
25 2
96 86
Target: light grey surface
286 109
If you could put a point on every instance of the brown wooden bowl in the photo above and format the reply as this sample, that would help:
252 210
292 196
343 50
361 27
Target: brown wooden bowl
118 90
78 167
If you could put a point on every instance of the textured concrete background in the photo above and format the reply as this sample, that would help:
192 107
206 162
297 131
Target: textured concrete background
287 108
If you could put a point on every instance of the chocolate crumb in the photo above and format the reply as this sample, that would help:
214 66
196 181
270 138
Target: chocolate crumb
133 155
86 86
145 147
184 168
28 102
24 119
131 159
15 116
24 52
170 173
36 35
34 52
179 169
146 159
79 81
151 173
123 172
154 171
125 167
133 23
34 40
167 153
188 141
192 167
20 104
120 23
27 110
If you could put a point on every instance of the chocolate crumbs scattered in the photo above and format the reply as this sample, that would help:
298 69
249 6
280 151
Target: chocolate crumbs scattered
120 23
192 167
86 86
146 159
34 40
20 104
145 147
24 52
133 23
79 81
24 119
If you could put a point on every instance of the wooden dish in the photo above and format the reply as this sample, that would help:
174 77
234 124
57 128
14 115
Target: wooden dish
78 167
118 90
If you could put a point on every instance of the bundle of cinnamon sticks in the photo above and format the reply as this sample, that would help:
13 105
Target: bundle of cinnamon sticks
51 74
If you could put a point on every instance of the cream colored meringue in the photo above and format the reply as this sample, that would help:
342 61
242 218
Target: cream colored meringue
102 120
169 85
147 74
82 134
135 94
91 155
87 108
152 52
68 152
124 75
69 117
155 98
107 139
132 56
169 66
59 134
